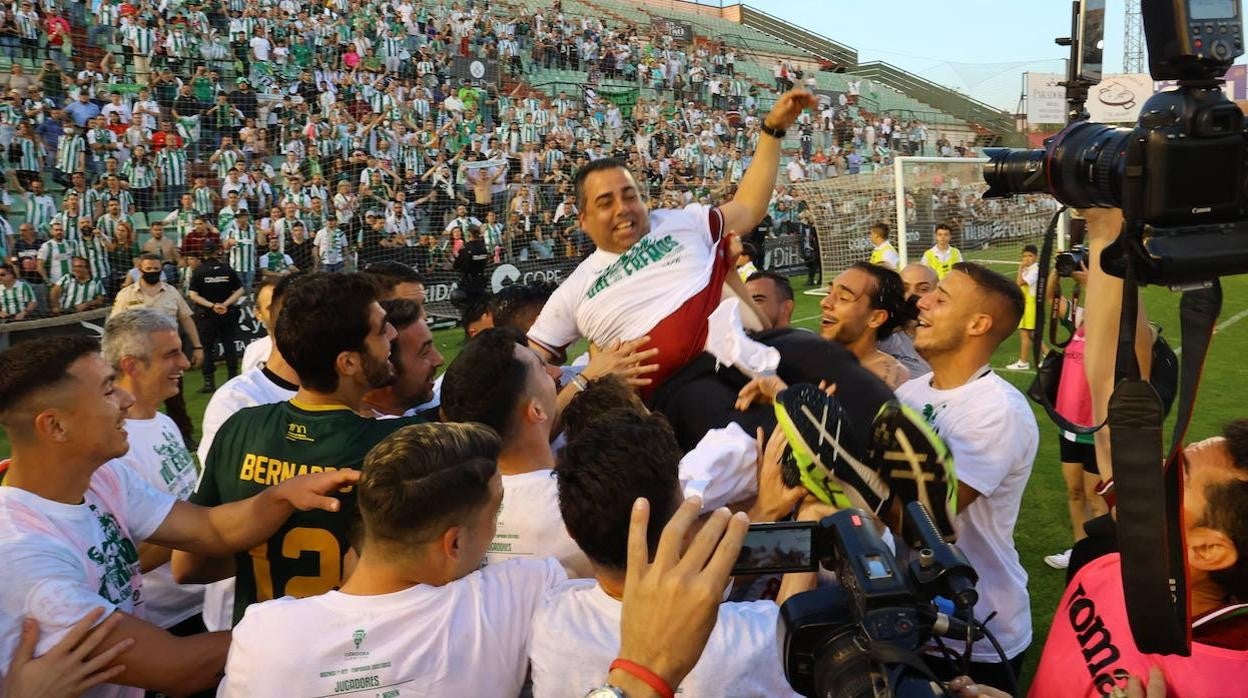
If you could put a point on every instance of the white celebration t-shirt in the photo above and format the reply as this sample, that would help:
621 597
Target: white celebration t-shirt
992 434
466 638
63 560
159 456
622 296
576 634
531 527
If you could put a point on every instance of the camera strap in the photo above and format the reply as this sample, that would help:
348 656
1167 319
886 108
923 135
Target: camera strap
1048 369
1154 577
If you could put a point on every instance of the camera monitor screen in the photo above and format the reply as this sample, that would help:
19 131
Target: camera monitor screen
1092 40
1213 9
776 548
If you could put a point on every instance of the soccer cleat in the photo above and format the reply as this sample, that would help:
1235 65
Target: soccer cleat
827 460
915 462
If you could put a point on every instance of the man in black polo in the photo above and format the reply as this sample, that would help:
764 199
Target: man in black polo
215 287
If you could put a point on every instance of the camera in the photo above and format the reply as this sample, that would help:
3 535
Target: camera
863 635
1070 261
1178 175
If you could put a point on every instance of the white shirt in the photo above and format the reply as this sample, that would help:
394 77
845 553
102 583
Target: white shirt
531 527
159 456
622 296
257 353
260 48
63 560
992 434
722 468
576 633
247 389
466 638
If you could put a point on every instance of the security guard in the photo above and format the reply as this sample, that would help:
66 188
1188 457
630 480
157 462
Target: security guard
215 288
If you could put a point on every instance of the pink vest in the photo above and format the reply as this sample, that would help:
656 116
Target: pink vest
1074 398
1090 651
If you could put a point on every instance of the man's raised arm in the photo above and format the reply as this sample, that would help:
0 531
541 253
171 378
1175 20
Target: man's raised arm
749 206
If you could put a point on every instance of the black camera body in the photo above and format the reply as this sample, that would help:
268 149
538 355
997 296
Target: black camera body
843 640
1179 175
1067 262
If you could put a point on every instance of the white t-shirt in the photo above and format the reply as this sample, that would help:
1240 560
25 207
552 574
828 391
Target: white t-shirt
260 47
247 389
576 633
1031 276
531 527
159 456
622 296
722 468
466 638
63 560
992 433
257 353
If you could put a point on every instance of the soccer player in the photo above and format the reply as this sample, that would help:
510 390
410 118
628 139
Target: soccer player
334 334
883 253
773 294
942 256
74 517
991 432
416 361
657 274
419 613
865 304
498 381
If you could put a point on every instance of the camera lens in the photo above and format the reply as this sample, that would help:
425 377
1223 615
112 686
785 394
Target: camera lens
1081 167
1010 171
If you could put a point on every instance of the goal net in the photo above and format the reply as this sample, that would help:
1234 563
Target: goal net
913 197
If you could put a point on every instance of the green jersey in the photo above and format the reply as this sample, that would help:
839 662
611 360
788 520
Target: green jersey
261 446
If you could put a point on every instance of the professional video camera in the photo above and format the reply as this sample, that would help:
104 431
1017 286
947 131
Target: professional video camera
863 636
1179 175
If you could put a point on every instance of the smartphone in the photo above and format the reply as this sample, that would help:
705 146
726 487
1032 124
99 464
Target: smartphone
777 548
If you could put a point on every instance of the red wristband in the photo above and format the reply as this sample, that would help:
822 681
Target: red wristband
649 677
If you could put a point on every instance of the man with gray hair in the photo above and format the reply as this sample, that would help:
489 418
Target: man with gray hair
143 347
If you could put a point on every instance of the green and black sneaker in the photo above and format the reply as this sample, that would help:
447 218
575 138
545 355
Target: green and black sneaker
915 462
822 450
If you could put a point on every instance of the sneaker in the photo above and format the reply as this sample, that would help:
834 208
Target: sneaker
823 452
1019 366
1060 561
915 462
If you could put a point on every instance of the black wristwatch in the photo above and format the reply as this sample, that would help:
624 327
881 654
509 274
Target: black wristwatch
773 132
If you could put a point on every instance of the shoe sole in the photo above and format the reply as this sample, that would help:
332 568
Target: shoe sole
860 486
928 476
1048 560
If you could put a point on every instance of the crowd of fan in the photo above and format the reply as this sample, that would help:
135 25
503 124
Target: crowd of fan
346 138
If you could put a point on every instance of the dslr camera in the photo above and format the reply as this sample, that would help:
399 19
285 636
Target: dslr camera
1178 175
1068 262
863 636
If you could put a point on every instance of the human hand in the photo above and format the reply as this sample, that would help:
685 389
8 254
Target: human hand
671 605
763 389
197 357
68 669
775 499
790 105
312 491
1104 224
965 687
625 359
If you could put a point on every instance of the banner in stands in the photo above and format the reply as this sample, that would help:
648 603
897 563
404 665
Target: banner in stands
1046 100
482 70
680 31
1118 98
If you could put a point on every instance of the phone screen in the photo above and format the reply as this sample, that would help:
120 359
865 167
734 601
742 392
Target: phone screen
777 548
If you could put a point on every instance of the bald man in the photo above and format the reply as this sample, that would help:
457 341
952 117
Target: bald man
919 280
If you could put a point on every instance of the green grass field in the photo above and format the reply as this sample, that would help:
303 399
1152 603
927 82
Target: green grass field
1043 526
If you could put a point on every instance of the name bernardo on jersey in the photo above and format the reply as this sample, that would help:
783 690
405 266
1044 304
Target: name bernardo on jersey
268 471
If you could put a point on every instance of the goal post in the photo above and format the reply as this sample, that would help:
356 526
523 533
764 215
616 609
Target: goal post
911 197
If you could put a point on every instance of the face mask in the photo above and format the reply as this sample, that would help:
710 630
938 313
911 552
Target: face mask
152 277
